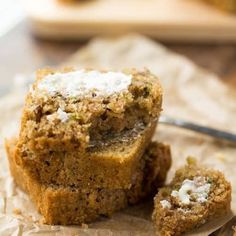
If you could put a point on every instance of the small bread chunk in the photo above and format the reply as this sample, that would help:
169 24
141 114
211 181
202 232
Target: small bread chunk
195 196
71 205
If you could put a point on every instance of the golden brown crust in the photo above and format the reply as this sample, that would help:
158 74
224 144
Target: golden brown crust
178 218
67 205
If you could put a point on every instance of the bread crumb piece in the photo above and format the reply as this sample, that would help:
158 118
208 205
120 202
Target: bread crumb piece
191 160
30 218
42 221
17 211
84 226
234 229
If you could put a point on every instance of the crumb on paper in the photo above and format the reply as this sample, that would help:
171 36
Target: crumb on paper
234 229
221 157
84 226
17 211
30 218
42 221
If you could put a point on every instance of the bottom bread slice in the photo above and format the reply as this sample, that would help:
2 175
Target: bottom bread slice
68 205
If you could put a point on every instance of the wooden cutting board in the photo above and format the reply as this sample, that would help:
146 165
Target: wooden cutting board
173 20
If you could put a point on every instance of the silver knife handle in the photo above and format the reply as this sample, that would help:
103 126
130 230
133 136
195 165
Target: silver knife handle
198 128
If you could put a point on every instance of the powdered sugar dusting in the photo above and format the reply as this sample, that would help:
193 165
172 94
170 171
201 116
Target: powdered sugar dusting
82 82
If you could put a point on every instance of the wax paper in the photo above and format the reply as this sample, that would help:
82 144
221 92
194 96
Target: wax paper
190 93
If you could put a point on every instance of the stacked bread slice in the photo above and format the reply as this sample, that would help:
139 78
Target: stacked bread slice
84 147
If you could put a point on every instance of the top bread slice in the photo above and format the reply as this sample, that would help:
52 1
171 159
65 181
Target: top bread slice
68 110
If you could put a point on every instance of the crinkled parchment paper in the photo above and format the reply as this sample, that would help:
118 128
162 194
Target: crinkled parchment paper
190 93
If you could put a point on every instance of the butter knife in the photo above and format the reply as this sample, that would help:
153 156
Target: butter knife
220 134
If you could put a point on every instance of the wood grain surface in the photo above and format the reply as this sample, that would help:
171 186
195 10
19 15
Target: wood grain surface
21 52
185 20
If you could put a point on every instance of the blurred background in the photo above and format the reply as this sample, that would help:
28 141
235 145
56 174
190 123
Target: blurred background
39 33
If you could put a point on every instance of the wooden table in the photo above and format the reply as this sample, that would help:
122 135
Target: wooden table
20 52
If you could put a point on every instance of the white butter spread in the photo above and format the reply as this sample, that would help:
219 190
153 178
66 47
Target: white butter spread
60 114
193 190
165 204
63 116
82 82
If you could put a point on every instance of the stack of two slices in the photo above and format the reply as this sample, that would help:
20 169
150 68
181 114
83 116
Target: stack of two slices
84 147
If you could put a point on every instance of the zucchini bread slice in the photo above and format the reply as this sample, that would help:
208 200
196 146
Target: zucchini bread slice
70 109
108 165
71 205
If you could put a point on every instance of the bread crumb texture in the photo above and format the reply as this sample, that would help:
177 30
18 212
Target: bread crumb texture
195 196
